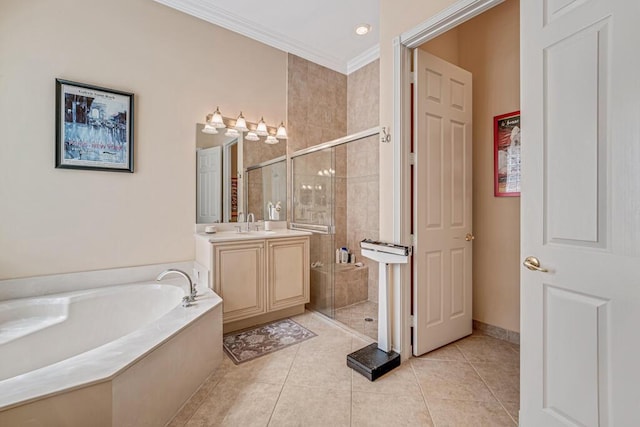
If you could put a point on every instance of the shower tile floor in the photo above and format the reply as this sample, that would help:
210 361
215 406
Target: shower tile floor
471 382
354 317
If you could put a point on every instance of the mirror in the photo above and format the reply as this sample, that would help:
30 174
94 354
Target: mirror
266 185
219 184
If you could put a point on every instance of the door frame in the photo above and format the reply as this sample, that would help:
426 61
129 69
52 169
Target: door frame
449 18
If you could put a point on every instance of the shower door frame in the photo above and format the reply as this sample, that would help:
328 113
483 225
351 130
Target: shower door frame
318 228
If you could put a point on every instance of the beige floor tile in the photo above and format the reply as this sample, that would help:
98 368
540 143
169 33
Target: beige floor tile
358 342
502 378
487 349
513 408
450 380
309 407
325 370
237 400
373 409
336 340
272 368
448 352
399 381
192 405
462 413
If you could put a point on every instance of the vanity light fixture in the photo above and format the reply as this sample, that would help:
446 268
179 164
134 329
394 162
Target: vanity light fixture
208 127
252 136
271 140
216 119
241 123
262 130
231 132
363 29
237 127
282 131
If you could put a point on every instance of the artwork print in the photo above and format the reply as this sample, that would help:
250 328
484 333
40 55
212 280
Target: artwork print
507 142
94 127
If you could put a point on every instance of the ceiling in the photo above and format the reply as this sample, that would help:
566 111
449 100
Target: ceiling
321 31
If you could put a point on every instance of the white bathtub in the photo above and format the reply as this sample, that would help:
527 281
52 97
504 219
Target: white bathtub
134 345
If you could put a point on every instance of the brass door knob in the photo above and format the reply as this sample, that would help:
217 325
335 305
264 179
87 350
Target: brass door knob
469 237
533 264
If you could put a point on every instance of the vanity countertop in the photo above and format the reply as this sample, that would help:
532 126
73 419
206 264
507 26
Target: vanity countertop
228 236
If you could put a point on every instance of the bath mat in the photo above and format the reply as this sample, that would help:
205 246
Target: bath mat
249 344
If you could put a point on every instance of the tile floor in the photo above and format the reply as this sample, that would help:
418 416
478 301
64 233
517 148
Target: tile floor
353 316
472 382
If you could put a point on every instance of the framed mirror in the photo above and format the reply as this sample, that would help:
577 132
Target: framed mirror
219 181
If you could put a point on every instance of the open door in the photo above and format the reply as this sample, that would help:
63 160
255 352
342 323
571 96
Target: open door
209 185
442 203
580 290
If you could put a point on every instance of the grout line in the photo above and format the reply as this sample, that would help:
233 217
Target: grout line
492 392
424 397
284 383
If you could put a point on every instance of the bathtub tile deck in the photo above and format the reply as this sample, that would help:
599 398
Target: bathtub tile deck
309 384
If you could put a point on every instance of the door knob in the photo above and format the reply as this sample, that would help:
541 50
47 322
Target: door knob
469 237
533 264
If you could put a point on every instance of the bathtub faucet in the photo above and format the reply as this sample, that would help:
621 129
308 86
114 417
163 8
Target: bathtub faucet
192 288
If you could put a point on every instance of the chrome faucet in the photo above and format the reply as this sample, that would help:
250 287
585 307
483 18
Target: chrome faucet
186 301
250 219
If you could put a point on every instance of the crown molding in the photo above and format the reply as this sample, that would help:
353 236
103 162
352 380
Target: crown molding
366 57
223 18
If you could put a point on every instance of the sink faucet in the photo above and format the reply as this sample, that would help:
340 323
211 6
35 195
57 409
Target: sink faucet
250 219
192 288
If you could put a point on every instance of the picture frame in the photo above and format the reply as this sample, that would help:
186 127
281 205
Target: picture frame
94 127
506 154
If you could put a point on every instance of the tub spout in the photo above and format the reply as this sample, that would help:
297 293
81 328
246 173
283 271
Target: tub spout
192 288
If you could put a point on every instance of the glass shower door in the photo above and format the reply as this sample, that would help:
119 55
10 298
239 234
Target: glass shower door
313 210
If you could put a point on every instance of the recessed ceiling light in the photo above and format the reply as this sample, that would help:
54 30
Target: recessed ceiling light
363 29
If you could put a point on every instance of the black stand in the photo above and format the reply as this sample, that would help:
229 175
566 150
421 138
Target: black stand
372 362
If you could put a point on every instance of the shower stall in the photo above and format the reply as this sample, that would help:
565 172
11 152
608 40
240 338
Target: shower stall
335 196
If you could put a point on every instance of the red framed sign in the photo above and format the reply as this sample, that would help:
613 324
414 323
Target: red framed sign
506 154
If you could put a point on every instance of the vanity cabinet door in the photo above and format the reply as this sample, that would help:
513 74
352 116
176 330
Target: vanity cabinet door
288 272
239 278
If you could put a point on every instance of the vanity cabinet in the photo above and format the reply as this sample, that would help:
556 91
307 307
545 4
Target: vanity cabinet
239 278
287 272
259 280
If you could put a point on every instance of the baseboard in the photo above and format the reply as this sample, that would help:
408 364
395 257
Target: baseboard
497 332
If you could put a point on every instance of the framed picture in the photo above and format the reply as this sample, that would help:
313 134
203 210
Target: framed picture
94 127
506 152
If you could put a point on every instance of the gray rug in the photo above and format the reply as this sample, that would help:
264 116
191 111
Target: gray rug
246 345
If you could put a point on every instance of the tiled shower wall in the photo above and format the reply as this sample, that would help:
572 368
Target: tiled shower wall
363 95
324 105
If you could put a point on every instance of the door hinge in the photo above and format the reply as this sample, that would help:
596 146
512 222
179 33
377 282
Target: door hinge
412 159
412 77
412 321
412 239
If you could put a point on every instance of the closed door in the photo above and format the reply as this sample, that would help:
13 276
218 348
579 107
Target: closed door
580 296
442 203
209 185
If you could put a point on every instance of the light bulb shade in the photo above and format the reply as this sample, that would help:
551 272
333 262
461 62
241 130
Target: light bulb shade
271 140
262 130
216 120
241 123
252 136
209 129
232 133
282 132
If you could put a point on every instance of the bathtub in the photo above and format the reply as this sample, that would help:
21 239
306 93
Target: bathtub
115 356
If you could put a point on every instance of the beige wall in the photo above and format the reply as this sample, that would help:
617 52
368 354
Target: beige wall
180 68
488 46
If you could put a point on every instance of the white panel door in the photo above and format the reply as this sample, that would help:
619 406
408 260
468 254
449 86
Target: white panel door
442 203
209 185
580 310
